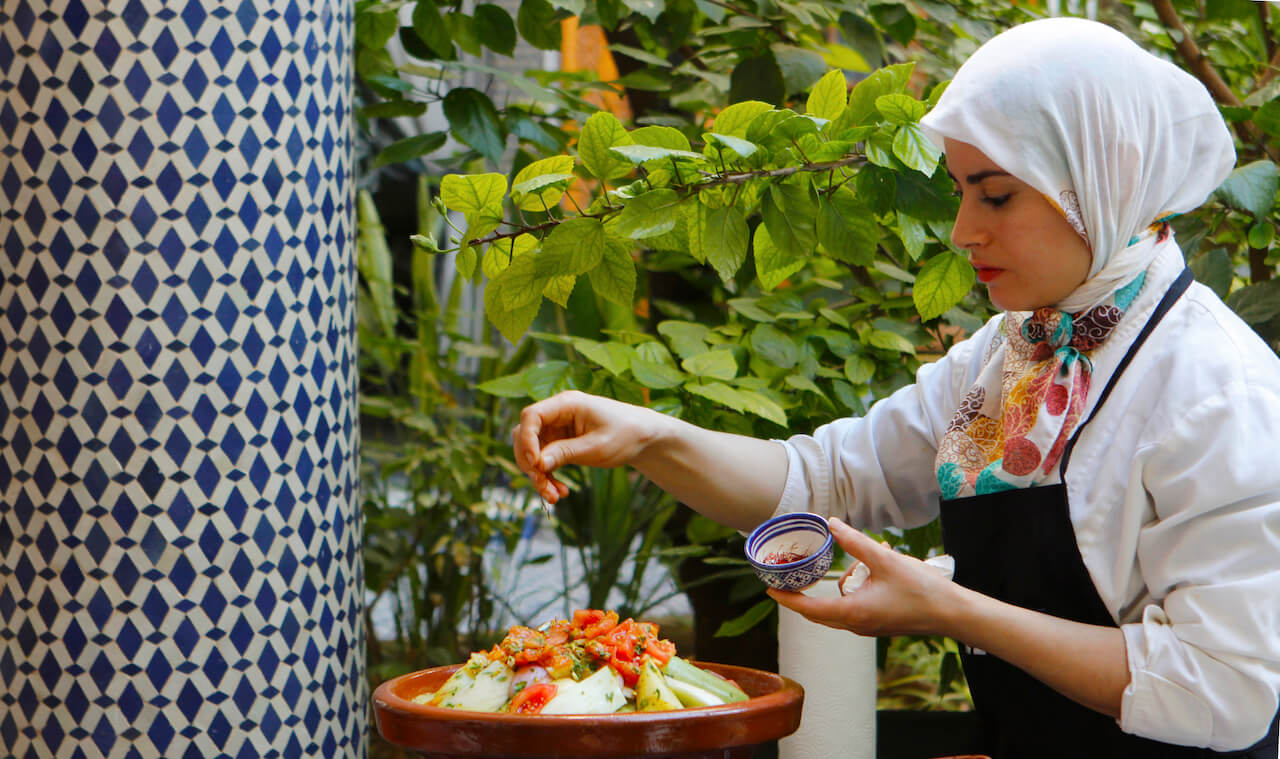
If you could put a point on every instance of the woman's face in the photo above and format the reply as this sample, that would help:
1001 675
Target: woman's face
1023 249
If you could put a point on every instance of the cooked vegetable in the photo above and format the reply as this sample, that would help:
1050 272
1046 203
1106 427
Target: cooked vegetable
599 694
593 664
652 692
680 669
483 691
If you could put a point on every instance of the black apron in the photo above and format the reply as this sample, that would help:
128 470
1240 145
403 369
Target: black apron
1019 546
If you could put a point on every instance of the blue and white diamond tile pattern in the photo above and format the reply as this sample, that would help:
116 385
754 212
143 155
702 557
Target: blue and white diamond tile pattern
180 565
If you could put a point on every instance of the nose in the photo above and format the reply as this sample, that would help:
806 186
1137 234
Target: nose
968 232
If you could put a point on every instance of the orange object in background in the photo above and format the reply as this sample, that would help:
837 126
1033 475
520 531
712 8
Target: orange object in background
585 48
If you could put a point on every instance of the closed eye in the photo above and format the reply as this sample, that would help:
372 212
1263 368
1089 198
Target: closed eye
995 201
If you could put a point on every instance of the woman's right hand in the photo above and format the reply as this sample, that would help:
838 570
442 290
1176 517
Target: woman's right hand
576 428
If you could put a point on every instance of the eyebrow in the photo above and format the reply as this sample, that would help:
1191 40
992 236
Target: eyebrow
979 176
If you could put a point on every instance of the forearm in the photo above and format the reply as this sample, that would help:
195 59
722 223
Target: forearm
1085 663
732 479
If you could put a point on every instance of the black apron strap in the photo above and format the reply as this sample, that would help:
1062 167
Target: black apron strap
1171 296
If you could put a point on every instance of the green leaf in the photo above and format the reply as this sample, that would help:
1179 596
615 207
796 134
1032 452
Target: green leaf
542 183
790 212
847 228
941 284
497 30
738 145
502 252
475 122
474 193
774 346
757 78
615 278
466 264
538 24
913 235
559 288
801 68
900 109
829 96
717 364
891 341
657 136
915 150
862 100
748 306
1252 188
1257 304
651 214
719 237
735 119
614 357
410 148
638 154
550 378
686 338
772 264
1261 235
644 56
650 9
510 322
600 133
655 376
575 246
519 283
1213 269
763 407
429 25
859 369
1267 117
510 386
463 30
376 25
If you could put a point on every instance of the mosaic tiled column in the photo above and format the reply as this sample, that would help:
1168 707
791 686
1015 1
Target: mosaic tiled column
180 569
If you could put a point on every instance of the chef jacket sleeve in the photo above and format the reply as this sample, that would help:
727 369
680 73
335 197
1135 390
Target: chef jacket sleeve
878 470
1204 660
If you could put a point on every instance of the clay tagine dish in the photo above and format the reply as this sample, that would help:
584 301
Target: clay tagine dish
728 731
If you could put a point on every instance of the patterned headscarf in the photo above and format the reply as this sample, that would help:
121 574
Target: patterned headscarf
1119 141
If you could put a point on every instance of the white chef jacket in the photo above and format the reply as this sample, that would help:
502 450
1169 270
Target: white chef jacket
1174 493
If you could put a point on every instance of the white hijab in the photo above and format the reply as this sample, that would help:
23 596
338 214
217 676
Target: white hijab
1113 135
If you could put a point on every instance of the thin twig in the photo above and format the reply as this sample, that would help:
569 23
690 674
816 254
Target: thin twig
737 178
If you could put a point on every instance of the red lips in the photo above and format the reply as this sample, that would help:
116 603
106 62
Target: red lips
986 273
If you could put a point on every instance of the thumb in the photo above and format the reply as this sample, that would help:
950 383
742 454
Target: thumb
567 451
857 543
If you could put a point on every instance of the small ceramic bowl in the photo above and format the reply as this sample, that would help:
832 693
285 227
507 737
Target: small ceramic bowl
791 551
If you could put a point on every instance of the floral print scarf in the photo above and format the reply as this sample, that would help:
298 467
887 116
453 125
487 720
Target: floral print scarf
1040 370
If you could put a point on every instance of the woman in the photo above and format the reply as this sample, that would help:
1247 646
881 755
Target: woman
1101 453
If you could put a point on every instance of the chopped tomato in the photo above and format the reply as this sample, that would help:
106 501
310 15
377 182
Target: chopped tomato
557 661
532 698
558 632
628 668
591 623
660 650
524 645
622 637
599 649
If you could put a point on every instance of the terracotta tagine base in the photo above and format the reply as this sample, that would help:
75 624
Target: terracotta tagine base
730 731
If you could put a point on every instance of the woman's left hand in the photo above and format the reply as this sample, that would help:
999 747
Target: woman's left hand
902 596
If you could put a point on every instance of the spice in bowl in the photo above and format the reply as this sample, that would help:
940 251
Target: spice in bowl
791 551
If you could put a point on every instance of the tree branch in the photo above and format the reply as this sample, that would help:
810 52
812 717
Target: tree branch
714 180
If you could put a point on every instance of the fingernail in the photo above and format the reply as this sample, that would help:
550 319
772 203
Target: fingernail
836 522
546 462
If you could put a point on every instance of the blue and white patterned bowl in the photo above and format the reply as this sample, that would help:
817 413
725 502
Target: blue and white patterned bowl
800 534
